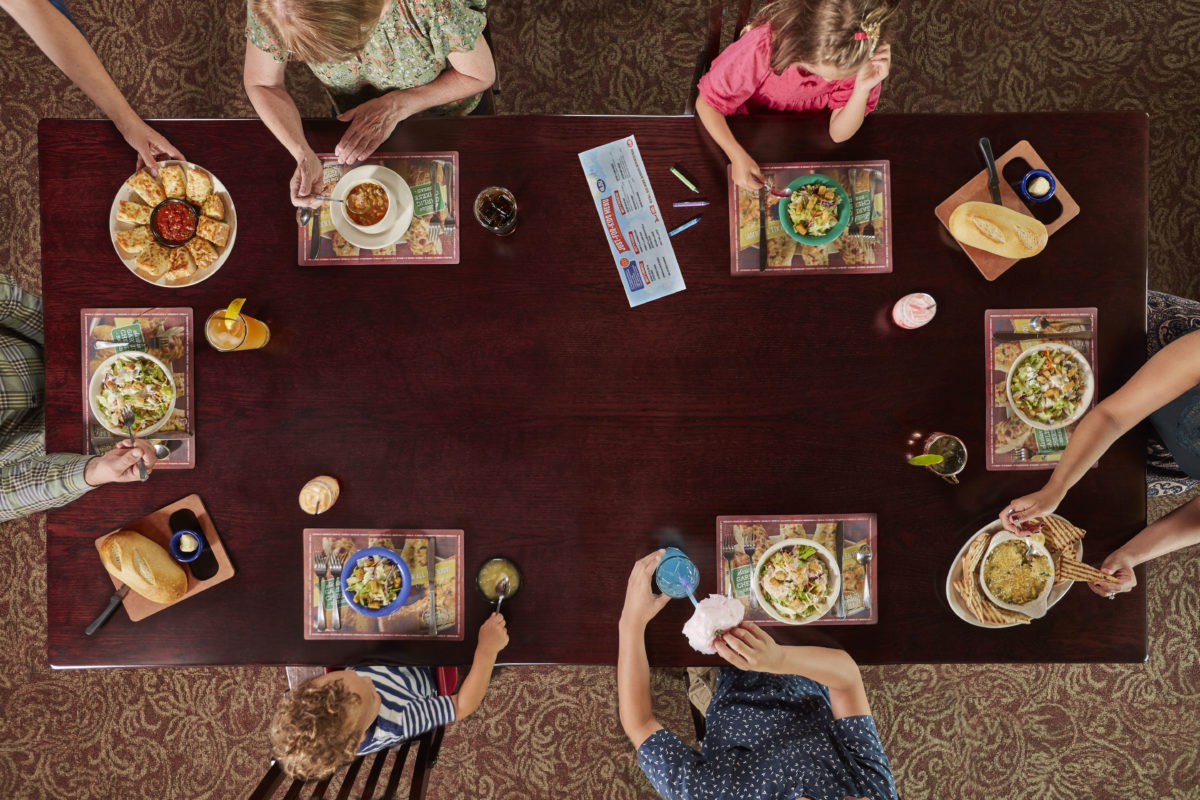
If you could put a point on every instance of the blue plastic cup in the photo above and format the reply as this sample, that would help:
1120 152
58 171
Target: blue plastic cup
676 575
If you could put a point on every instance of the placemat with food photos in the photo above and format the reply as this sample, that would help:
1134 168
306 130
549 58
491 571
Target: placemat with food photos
411 620
1006 433
751 536
850 252
170 330
433 179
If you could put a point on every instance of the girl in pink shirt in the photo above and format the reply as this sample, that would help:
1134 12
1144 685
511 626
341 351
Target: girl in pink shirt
798 56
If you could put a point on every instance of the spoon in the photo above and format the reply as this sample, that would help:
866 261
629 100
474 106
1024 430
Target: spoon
161 451
777 192
864 556
303 215
501 591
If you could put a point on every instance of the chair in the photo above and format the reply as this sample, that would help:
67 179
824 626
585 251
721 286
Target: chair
275 783
712 45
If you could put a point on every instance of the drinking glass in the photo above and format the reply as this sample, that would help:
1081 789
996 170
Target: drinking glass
245 333
676 575
953 453
496 210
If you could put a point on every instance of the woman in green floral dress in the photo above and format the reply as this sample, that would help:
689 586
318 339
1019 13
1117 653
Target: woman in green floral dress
426 56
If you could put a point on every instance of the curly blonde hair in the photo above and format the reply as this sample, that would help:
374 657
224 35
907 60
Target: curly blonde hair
309 736
320 31
823 31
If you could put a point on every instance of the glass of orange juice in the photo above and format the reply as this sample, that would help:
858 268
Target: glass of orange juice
243 333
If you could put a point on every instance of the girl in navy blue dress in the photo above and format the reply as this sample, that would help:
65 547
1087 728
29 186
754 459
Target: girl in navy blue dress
785 722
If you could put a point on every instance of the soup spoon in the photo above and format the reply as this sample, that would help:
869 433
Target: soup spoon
501 591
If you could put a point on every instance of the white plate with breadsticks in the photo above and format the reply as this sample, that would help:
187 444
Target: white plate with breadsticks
175 230
967 598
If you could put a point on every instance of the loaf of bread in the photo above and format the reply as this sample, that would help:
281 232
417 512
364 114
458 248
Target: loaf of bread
144 566
998 230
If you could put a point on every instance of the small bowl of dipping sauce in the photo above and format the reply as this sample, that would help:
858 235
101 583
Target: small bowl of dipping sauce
1037 186
173 222
187 545
490 574
370 207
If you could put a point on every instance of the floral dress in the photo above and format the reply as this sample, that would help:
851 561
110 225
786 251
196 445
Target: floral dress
409 47
770 737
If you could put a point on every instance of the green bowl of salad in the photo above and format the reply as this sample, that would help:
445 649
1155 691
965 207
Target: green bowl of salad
1050 386
796 581
817 211
137 381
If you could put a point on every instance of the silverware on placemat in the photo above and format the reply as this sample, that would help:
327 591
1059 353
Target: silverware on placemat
762 228
321 569
335 572
839 544
431 578
864 556
748 549
868 230
1014 336
314 232
729 550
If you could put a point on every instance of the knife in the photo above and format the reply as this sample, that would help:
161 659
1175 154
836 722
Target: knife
113 602
431 578
1010 336
762 228
993 179
314 233
839 542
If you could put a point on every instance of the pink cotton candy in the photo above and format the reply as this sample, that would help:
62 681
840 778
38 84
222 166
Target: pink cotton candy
714 613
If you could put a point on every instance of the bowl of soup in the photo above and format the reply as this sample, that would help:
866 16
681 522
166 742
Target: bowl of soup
369 206
490 574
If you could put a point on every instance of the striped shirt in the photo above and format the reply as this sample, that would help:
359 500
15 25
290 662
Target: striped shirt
410 706
30 480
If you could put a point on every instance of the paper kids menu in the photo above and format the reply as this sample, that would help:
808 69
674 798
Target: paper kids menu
633 225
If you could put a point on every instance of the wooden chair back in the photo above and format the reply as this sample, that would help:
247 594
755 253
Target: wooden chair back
712 42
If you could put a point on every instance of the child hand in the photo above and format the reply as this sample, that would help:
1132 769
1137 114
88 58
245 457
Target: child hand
641 603
493 635
872 73
749 647
747 174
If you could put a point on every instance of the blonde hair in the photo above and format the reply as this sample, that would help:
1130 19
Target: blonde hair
320 31
823 31
309 732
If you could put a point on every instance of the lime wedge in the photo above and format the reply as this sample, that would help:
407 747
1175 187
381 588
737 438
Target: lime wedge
231 313
926 460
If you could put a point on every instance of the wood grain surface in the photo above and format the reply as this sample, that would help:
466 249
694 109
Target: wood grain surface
518 397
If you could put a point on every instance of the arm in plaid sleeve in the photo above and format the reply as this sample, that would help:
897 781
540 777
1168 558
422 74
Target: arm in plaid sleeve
20 311
41 482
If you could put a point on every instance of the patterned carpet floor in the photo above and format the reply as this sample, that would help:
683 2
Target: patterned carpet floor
1045 731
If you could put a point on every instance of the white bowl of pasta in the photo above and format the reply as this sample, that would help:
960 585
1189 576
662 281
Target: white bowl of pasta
796 581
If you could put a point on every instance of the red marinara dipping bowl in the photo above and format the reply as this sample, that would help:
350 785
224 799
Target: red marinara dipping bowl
173 222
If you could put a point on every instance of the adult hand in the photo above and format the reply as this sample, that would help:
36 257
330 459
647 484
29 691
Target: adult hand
371 123
747 174
876 68
1031 506
1122 570
642 604
493 635
307 181
150 144
119 465
749 647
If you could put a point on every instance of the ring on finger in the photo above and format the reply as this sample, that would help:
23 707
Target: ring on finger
1111 595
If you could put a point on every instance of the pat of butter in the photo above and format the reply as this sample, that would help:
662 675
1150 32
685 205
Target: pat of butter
188 543
1039 186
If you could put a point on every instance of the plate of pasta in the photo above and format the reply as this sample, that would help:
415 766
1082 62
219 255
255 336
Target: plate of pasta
796 581
174 230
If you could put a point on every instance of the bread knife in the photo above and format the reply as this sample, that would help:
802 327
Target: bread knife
113 602
993 179
431 579
839 543
762 228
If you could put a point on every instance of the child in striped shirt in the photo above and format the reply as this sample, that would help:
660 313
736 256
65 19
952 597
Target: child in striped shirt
329 720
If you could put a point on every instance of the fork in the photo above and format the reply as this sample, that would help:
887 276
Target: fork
322 569
335 572
867 231
156 342
729 552
127 422
748 549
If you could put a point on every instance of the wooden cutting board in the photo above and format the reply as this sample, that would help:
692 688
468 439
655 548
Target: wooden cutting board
155 526
991 265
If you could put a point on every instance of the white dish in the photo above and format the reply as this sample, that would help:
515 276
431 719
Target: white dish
399 198
1036 608
94 390
126 192
342 189
834 585
1084 401
960 608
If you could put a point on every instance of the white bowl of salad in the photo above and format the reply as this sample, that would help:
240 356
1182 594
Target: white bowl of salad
1050 386
132 380
796 581
376 581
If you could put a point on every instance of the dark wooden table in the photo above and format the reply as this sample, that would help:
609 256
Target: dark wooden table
518 397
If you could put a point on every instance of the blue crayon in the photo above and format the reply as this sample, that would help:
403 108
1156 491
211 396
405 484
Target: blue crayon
685 225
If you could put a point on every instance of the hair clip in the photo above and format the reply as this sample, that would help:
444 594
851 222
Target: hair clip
860 35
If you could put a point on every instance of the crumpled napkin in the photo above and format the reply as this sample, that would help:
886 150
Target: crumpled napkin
714 613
